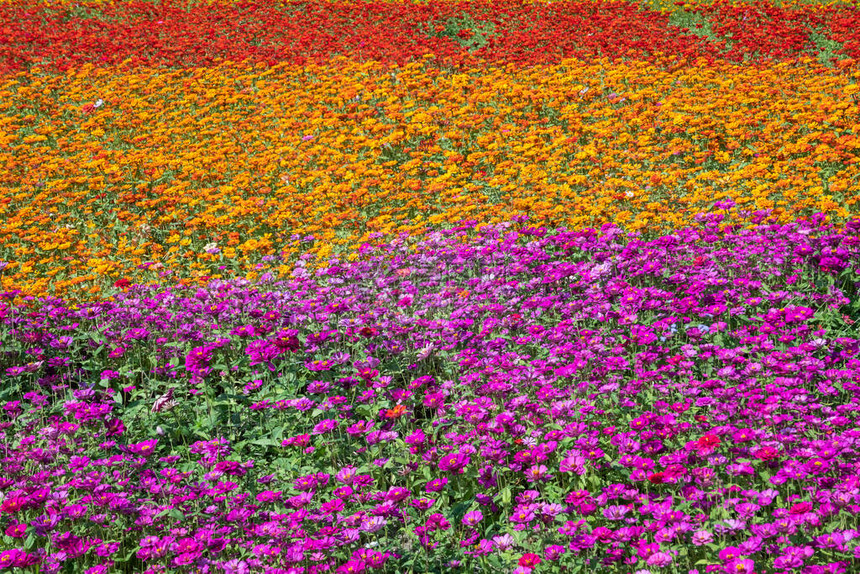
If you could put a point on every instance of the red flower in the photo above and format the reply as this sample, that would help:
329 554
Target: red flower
286 343
657 478
122 283
368 332
709 441
766 453
529 560
203 34
524 33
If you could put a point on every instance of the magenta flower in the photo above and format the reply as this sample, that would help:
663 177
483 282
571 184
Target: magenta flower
332 506
472 518
553 552
702 537
575 464
352 567
236 566
536 473
11 558
16 530
422 503
144 448
740 566
483 548
324 426
659 559
729 553
454 462
397 493
197 361
346 474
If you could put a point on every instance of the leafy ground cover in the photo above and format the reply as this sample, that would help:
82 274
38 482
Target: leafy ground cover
515 287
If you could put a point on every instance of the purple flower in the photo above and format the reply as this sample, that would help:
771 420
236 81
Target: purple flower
262 352
522 515
346 474
615 512
553 552
373 524
504 542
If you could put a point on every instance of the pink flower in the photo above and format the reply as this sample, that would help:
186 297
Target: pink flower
659 559
473 518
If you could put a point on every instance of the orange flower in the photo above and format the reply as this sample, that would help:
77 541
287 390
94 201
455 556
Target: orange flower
139 186
395 413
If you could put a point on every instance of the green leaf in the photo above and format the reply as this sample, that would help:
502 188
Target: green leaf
265 442
458 511
129 554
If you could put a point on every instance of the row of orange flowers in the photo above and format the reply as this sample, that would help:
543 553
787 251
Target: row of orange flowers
127 174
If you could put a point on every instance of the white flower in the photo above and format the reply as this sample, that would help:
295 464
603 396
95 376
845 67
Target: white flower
425 352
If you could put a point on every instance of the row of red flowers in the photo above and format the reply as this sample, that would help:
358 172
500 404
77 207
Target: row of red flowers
173 33
766 30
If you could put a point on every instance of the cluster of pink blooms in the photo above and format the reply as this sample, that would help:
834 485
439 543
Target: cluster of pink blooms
501 399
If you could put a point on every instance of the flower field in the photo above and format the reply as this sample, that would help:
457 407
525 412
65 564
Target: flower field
524 287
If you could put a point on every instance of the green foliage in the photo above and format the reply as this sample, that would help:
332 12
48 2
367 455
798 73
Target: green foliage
465 30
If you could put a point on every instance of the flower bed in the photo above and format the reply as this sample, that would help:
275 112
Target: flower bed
126 175
307 287
483 399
